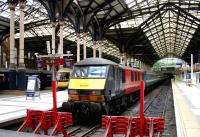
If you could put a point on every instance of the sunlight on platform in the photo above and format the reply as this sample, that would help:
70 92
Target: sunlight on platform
15 107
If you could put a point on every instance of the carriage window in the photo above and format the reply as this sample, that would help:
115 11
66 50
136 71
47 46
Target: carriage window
2 77
132 76
123 76
136 76
111 73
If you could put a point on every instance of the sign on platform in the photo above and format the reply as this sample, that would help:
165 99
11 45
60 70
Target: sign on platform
32 86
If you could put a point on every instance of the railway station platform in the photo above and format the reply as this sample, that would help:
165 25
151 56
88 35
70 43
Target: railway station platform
8 133
187 109
13 109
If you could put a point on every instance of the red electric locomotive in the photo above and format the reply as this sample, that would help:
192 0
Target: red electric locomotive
100 85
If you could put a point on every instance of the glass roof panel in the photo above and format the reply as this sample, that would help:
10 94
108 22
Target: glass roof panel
34 11
169 28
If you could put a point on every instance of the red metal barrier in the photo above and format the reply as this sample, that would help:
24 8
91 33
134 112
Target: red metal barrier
42 121
31 121
133 126
45 123
130 126
64 119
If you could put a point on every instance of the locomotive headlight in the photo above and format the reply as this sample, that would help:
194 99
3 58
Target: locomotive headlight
96 92
73 92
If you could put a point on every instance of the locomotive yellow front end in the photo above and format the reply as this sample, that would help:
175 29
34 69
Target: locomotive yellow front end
86 89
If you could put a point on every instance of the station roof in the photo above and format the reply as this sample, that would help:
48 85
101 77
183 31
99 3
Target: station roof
145 29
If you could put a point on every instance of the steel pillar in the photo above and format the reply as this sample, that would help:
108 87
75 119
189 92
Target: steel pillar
21 76
100 43
191 67
125 59
5 62
60 49
12 66
94 49
84 46
121 58
21 45
12 35
53 33
78 47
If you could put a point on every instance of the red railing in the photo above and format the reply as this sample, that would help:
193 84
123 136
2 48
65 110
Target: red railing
133 126
42 121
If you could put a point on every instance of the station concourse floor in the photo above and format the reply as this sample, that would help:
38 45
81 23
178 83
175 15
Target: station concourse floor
187 109
14 107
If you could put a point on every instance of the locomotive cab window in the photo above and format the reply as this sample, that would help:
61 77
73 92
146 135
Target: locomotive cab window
63 76
97 71
89 72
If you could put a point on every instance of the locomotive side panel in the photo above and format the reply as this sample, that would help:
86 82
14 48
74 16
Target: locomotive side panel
114 84
110 83
133 77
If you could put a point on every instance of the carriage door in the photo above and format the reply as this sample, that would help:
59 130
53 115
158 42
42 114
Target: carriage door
117 81
110 84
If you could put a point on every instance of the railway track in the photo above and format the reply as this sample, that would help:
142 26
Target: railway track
160 106
158 103
84 131
156 107
149 98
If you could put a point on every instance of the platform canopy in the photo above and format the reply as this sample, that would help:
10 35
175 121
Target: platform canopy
144 29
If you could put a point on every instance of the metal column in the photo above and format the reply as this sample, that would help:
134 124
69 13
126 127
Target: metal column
100 43
84 46
78 47
60 49
121 58
53 33
94 49
21 76
21 47
12 35
12 71
191 67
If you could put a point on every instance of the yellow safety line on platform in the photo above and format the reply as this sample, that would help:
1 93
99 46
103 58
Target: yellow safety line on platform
186 123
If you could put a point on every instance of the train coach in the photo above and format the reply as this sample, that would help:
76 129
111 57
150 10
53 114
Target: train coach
63 78
100 85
